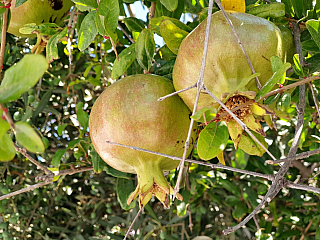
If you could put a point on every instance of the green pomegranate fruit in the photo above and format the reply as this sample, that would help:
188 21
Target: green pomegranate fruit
128 112
38 12
226 64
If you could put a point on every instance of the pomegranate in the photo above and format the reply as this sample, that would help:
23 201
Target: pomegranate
38 12
226 64
129 113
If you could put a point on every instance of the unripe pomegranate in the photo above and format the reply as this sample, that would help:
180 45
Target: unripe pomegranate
38 12
226 64
128 112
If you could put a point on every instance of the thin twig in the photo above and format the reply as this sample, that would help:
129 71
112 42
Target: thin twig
32 187
177 92
23 151
200 86
296 157
269 177
316 102
293 85
214 166
3 37
134 220
46 180
125 33
239 41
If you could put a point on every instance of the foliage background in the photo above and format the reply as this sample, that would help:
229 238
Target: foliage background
91 205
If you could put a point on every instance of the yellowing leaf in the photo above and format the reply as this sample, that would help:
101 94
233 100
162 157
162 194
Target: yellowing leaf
234 5
221 158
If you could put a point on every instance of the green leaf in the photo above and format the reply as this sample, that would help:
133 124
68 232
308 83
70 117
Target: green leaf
145 47
61 128
124 188
4 126
126 58
52 48
7 150
232 200
82 116
89 4
155 24
172 35
166 69
42 104
241 159
22 76
314 28
273 10
284 102
275 78
243 83
212 140
297 66
2 9
171 5
310 45
56 159
209 113
240 210
134 24
28 138
107 17
114 172
97 162
250 146
88 31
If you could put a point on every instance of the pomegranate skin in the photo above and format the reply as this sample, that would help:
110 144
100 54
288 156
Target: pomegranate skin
226 65
128 112
38 12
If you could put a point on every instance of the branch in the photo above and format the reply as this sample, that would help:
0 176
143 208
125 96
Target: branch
23 151
134 220
32 187
296 84
152 11
177 92
270 177
47 179
200 86
296 157
239 41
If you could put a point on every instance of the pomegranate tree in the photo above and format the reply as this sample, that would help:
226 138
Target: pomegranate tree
128 112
